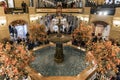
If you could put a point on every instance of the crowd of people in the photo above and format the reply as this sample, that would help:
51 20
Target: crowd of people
45 4
71 4
75 4
64 4
71 22
24 6
94 39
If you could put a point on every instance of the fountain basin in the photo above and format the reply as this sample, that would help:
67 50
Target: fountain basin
74 62
62 39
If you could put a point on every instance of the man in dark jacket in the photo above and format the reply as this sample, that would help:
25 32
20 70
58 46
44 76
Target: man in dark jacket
24 5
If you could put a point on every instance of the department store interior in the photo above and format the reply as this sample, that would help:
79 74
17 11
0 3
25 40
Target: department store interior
59 39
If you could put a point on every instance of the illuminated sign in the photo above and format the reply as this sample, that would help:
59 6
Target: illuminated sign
63 10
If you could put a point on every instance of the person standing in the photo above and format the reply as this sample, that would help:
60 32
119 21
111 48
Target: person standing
4 5
24 5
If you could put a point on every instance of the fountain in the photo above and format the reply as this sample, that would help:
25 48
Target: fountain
59 60
59 56
59 39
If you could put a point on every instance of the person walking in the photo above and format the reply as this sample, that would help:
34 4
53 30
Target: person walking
24 6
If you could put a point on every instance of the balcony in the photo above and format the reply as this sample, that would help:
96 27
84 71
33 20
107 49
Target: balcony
64 10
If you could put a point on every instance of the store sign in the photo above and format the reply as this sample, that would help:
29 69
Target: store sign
45 10
72 10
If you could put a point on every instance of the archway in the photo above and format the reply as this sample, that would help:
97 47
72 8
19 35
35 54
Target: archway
18 29
102 29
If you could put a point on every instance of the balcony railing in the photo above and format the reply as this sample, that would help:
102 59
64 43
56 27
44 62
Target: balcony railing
64 10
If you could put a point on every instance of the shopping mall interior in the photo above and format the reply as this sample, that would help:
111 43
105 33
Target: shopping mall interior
59 39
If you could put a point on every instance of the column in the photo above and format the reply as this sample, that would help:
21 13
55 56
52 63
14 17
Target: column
34 3
31 3
84 3
113 2
38 3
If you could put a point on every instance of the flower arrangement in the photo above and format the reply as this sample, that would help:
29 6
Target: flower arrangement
103 54
106 55
37 32
82 33
13 60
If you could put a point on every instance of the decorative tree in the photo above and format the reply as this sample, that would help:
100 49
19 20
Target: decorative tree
106 56
37 32
82 33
